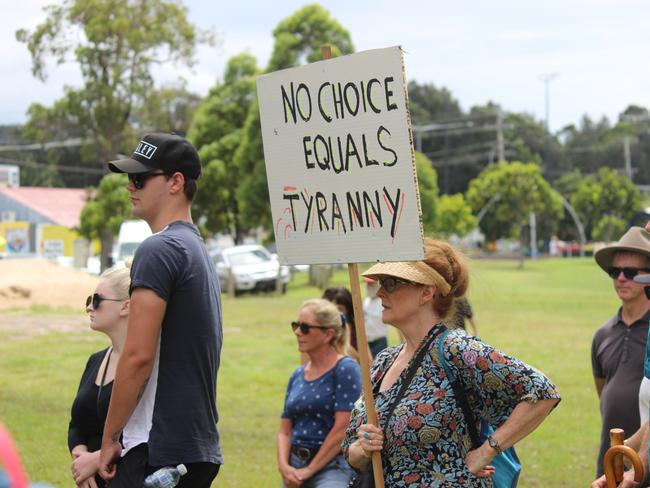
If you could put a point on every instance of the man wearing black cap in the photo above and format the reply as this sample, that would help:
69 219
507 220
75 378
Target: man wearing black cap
618 347
174 330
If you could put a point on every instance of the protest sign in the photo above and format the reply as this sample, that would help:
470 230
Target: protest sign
340 162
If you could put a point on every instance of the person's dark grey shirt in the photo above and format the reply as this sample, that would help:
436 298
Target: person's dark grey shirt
617 355
174 263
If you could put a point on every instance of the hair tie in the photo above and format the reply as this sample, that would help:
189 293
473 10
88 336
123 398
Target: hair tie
343 320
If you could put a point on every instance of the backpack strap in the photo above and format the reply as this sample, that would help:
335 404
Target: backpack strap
459 393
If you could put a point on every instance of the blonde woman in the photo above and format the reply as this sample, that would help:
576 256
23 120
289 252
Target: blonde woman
108 310
319 398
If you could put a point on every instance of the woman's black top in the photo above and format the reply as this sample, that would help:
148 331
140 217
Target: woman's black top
89 412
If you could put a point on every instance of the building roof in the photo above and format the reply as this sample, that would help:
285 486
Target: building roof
61 205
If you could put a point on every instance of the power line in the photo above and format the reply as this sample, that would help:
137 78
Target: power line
73 142
58 167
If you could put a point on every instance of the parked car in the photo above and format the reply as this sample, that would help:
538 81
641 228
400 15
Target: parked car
252 267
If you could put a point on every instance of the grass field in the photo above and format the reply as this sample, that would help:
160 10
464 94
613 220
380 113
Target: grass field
544 314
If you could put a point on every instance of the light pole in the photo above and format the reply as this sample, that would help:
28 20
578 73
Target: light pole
546 78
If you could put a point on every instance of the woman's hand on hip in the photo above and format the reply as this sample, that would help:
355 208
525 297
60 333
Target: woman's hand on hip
478 461
370 439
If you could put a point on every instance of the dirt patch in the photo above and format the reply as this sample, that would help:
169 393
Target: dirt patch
20 326
25 283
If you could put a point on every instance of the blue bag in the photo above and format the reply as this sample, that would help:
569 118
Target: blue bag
507 465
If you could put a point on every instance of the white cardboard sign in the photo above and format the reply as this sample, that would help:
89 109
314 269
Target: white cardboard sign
339 160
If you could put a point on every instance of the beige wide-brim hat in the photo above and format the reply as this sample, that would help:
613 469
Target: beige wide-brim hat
415 271
636 239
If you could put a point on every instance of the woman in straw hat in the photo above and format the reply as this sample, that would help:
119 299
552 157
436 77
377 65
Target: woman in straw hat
319 398
423 437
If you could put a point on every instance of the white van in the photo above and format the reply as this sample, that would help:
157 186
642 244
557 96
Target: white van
132 233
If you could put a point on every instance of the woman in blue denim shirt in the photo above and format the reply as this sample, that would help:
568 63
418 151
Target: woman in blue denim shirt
317 405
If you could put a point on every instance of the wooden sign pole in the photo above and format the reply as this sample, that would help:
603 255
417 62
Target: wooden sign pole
362 345
364 360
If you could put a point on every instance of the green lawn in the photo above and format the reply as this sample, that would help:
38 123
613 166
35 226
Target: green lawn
544 314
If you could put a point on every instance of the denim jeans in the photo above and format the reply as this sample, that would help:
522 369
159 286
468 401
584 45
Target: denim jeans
336 474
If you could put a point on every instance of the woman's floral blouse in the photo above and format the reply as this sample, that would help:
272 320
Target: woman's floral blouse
427 439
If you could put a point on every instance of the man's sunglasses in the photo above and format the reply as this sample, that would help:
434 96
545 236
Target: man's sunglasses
304 327
96 299
140 179
629 273
390 284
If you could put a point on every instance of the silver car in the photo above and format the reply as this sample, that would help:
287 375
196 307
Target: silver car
252 268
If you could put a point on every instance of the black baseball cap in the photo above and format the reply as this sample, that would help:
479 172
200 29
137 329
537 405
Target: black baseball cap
167 152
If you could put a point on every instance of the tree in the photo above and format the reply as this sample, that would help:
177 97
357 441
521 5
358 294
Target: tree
605 194
169 108
454 216
115 43
298 38
217 131
428 189
512 191
104 212
609 228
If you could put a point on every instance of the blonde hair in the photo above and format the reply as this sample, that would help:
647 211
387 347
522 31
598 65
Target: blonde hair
452 266
327 315
119 279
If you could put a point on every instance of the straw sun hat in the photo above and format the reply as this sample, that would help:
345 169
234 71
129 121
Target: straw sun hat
414 271
636 239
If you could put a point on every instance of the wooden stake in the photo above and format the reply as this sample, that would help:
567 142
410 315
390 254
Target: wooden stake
364 360
362 345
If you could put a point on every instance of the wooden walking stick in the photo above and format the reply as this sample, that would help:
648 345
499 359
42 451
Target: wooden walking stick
613 460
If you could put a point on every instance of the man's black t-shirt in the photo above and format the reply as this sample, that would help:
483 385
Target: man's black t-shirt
174 263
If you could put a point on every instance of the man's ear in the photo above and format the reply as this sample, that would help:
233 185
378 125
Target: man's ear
178 182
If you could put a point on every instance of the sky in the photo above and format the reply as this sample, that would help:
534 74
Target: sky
481 50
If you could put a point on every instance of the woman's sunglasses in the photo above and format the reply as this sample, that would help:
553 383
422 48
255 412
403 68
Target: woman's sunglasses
140 179
390 284
629 273
96 299
304 327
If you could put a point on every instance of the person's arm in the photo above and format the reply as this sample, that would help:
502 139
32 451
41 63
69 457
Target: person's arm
288 472
77 440
635 441
146 314
330 448
600 384
524 419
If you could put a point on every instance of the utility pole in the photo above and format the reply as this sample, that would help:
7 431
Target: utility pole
501 150
628 158
546 78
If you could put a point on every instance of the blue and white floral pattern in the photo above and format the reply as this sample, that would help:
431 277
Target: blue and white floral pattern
427 438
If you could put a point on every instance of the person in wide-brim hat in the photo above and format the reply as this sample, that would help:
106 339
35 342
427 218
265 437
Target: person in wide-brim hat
636 239
416 297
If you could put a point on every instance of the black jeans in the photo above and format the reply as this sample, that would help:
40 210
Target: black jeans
133 469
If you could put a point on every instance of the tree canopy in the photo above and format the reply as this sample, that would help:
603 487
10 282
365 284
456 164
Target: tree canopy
606 194
115 45
299 38
217 131
511 191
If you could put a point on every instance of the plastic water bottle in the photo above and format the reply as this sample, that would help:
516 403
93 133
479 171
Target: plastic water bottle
167 477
